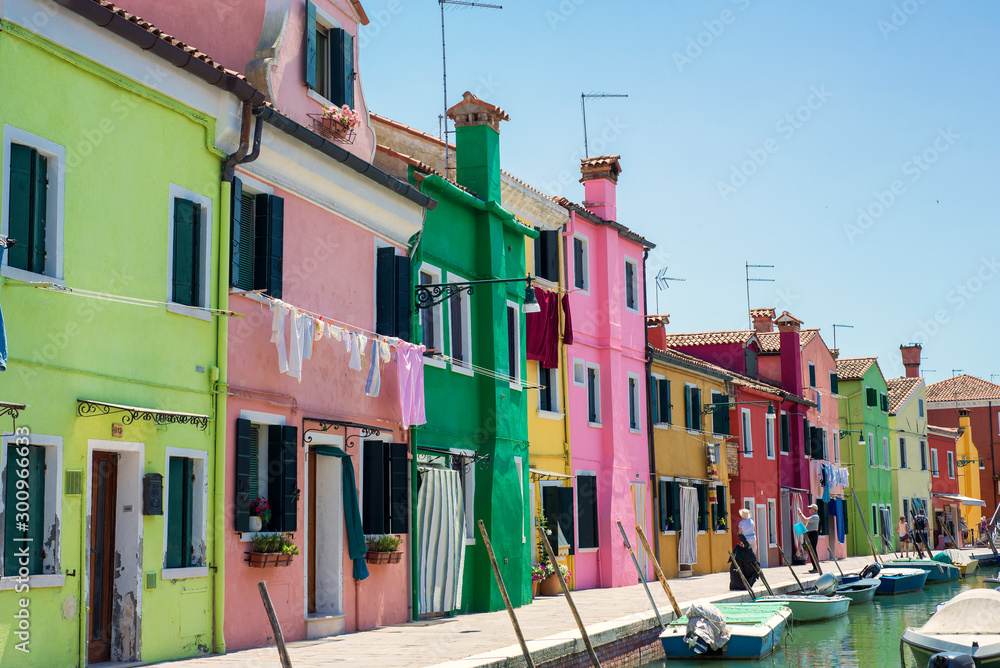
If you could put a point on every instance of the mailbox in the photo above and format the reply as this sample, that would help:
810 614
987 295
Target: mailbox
152 494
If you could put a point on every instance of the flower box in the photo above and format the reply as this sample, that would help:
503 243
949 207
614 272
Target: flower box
383 557
332 129
265 559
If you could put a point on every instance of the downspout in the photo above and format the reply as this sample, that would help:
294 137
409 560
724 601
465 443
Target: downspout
993 461
653 488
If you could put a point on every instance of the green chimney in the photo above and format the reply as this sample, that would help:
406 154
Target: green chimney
477 141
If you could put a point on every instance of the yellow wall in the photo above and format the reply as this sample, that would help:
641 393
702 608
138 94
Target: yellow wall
910 482
968 475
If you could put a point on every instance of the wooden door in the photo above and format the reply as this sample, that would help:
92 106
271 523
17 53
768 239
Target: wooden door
104 493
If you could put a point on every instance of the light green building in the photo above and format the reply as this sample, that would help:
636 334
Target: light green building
911 472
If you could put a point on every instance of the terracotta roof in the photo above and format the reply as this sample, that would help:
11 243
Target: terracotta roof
854 368
770 342
657 320
963 388
409 130
469 98
952 432
410 160
761 312
738 379
900 389
517 180
362 16
708 338
573 206
787 317
600 160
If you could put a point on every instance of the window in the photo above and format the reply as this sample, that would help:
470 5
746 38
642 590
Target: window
836 446
750 362
659 389
902 452
785 440
581 264
814 442
385 488
720 414
883 402
257 240
514 345
460 328
457 460
191 246
548 389
670 505
747 433
834 383
886 459
34 173
951 464
720 512
923 455
431 319
633 403
266 465
631 285
393 293
32 501
703 510
769 436
819 402
871 449
772 523
546 248
329 58
594 394
557 509
871 397
920 408
934 462
824 434
184 503
812 375
692 407
586 508
579 373
875 520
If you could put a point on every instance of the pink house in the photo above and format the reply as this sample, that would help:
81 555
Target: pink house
320 277
608 431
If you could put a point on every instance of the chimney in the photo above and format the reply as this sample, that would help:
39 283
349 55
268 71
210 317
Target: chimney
911 359
791 352
477 145
600 179
763 319
656 330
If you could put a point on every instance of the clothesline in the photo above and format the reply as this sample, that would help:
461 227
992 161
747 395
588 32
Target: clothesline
257 296
121 299
489 373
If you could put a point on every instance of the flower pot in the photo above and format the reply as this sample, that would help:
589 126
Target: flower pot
550 586
265 559
336 128
383 557
256 524
534 588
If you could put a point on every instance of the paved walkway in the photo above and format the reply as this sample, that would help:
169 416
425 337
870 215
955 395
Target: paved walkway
484 639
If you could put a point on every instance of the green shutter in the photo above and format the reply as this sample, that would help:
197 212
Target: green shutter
586 491
723 502
654 400
662 498
39 185
399 487
269 224
19 533
235 231
834 383
812 375
19 206
688 421
179 512
675 505
702 507
246 488
871 396
374 489
696 408
404 298
186 247
385 289
786 436
310 73
566 515
348 69
289 478
720 414
665 405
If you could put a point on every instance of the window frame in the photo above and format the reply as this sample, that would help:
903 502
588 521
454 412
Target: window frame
515 374
554 410
886 454
577 523
772 523
935 471
437 311
871 450
585 270
55 198
876 519
464 366
329 23
903 463
635 400
635 283
770 450
597 394
812 375
746 432
205 271
199 513
579 364
921 412
924 458
262 420
951 464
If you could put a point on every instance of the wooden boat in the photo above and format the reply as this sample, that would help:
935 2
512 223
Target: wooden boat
969 568
936 571
859 591
811 607
968 623
756 630
901 580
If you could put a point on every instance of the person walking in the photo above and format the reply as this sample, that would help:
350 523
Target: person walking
903 530
812 533
920 533
746 528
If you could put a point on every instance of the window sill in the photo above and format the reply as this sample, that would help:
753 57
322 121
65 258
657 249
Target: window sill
459 367
180 573
16 274
313 95
468 542
586 550
430 361
34 581
516 386
720 531
550 415
671 532
635 431
770 457
665 426
189 311
596 425
748 455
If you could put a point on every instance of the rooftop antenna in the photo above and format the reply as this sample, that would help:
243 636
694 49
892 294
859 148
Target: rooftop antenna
993 375
444 67
835 333
954 371
760 280
583 104
662 282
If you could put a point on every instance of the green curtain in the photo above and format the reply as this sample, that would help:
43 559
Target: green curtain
356 545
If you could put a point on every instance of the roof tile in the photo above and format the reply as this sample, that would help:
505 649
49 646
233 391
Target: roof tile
901 389
963 388
853 368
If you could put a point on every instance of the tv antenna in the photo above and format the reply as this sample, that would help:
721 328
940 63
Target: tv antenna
759 280
583 105
663 282
444 67
835 333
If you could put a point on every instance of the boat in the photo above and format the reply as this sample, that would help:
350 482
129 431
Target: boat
969 568
859 591
756 630
967 624
811 607
901 580
936 570
966 564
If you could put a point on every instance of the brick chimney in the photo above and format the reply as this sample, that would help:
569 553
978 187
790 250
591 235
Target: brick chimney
477 145
911 359
600 179
763 319
791 352
656 330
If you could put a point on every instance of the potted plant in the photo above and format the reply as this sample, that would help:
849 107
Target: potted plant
260 513
340 120
382 549
271 549
543 574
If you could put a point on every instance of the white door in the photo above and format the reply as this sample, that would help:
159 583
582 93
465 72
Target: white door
639 504
762 531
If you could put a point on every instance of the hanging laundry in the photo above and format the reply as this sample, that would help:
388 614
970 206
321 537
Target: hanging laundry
410 376
308 337
318 329
542 330
354 347
374 383
827 482
278 312
362 346
296 350
567 321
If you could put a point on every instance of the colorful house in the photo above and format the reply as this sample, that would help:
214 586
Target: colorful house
945 504
114 323
610 455
908 423
864 423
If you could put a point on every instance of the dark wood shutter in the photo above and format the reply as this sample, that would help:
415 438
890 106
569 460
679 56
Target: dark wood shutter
663 494
578 277
186 251
39 185
269 232
786 435
374 488
399 488
695 408
31 457
629 287
403 298
633 412
511 342
834 383
722 504
19 207
665 405
720 414
547 255
586 498
702 507
592 391
342 67
567 516
179 492
310 73
245 453
550 511
750 362
289 478
871 396
688 422
349 76
816 436
885 403
393 301
237 233
806 439
654 399
675 505
822 512
812 375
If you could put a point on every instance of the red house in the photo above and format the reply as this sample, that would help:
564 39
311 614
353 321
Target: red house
944 483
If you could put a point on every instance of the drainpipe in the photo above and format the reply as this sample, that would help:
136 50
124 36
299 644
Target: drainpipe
243 154
993 461
653 488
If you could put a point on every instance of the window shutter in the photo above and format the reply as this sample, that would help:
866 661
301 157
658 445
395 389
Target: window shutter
723 503
269 225
821 511
629 292
185 251
806 438
566 515
374 489
550 511
720 414
578 263
662 492
342 67
235 230
385 269
39 185
785 433
812 376
750 357
702 507
687 407
665 406
179 513
349 69
675 505
586 491
695 408
550 255
834 384
871 396
289 478
817 442
403 297
654 399
591 395
399 488
19 207
15 538
245 453
310 73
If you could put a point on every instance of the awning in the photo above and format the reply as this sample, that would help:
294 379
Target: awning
964 500
90 408
539 474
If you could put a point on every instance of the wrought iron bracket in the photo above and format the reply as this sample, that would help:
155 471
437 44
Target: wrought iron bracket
429 295
710 408
13 410
459 460
87 408
326 426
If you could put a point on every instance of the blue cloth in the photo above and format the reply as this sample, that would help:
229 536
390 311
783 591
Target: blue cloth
839 512
827 482
3 330
356 545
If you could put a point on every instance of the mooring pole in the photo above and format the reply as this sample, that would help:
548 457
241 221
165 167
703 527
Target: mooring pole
279 639
760 574
739 570
835 563
861 516
659 574
569 599
506 598
781 555
642 578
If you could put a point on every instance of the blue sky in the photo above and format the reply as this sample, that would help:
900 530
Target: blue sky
851 145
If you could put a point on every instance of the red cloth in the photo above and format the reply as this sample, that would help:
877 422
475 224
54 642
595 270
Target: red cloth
567 321
542 330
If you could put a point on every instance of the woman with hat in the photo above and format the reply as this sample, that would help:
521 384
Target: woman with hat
746 528
812 532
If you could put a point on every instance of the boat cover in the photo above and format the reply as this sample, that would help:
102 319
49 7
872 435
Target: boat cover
958 557
976 611
707 622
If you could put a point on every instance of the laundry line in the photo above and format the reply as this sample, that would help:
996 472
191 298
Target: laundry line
265 300
122 299
489 373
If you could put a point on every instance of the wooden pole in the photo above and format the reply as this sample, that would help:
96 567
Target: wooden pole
506 598
861 516
739 570
569 599
833 557
815 556
279 639
642 578
781 555
760 574
659 574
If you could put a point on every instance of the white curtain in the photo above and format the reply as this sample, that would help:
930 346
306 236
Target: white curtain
441 522
687 546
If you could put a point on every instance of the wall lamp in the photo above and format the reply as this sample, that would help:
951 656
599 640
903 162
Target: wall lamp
966 462
429 295
861 437
710 408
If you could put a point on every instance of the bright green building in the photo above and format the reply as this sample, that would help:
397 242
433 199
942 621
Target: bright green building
864 428
472 454
112 191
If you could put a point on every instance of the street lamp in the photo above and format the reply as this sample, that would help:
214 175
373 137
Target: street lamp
429 295
861 437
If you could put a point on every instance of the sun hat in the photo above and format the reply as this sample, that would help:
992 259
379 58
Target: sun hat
813 505
745 513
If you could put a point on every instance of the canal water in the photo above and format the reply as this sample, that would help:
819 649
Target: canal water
867 636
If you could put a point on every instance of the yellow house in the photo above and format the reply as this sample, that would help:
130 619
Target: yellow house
690 451
911 475
967 456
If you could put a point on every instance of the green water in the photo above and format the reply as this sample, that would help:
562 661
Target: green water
867 636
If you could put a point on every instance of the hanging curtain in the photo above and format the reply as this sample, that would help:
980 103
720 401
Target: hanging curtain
441 518
687 546
356 545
